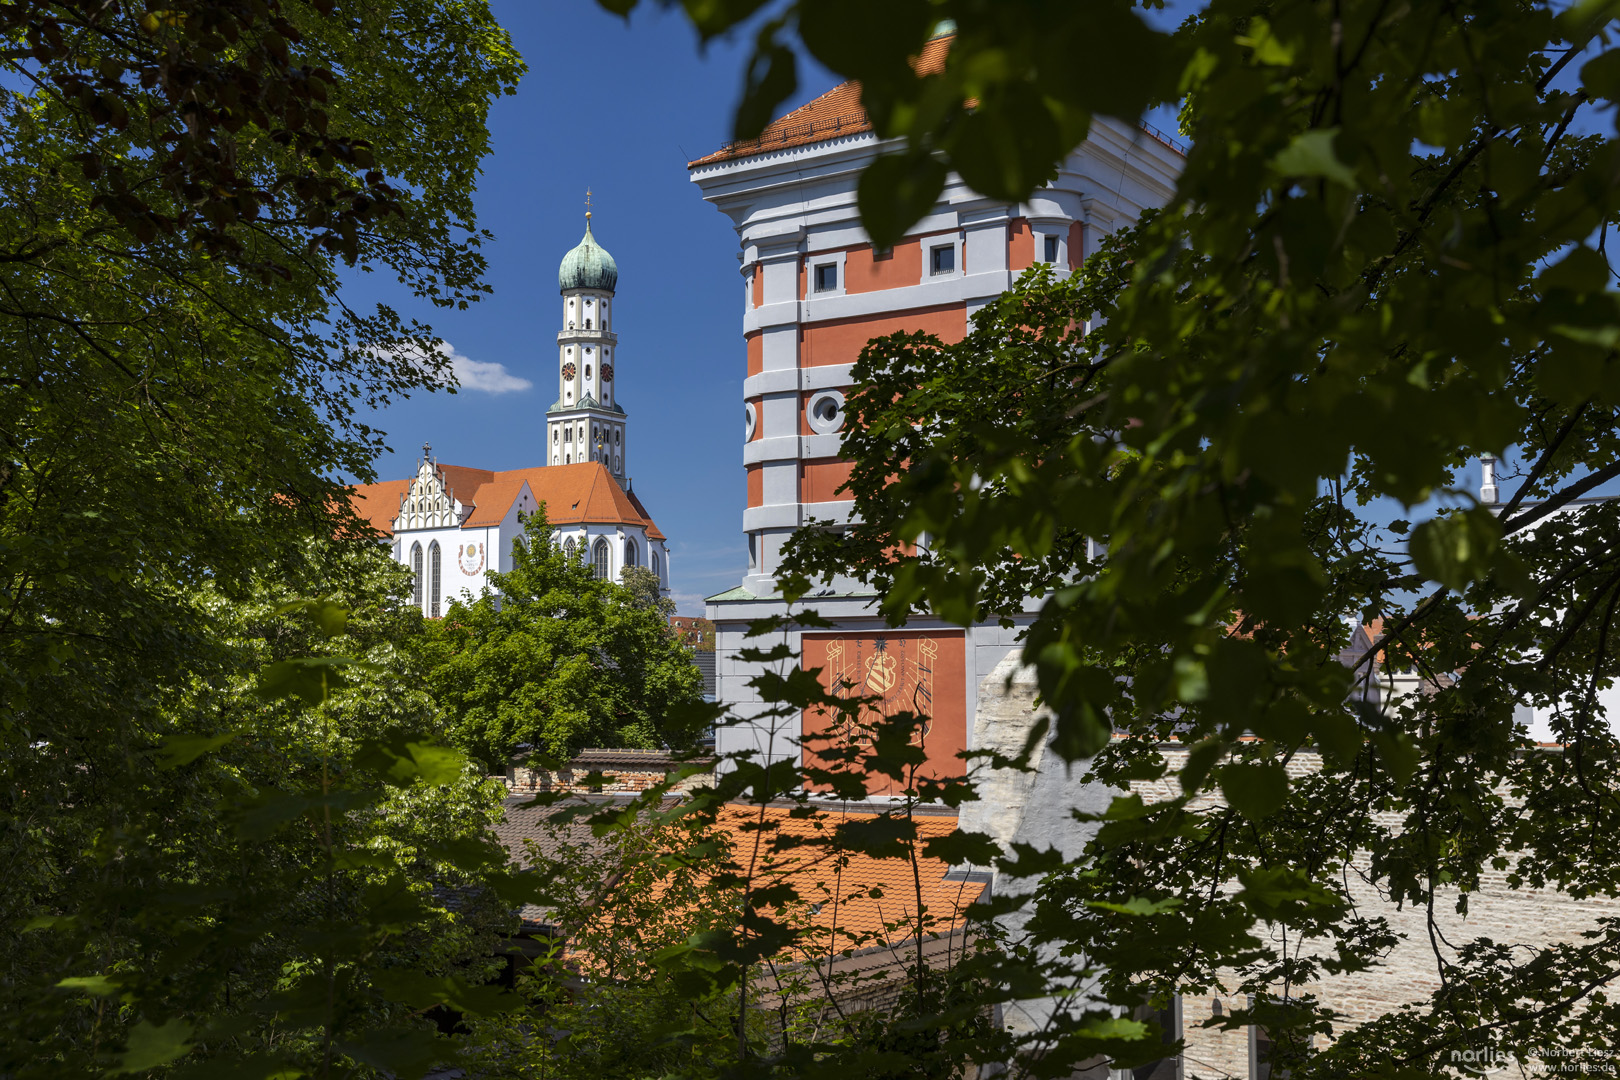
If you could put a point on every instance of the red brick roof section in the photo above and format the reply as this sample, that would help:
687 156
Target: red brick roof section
837 112
584 493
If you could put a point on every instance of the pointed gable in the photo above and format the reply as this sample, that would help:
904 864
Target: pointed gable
584 493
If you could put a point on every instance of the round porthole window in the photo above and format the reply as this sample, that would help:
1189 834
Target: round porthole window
825 412
750 420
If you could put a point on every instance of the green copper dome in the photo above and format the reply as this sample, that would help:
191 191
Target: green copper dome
588 266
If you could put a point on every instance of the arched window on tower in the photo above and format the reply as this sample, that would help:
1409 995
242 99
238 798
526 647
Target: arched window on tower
433 580
655 569
569 551
599 559
632 556
416 573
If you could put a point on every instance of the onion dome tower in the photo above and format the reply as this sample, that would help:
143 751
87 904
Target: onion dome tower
585 423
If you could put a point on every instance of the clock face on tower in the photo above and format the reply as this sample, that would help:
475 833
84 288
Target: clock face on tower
607 372
568 370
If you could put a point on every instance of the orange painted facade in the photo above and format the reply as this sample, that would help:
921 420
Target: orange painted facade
1020 246
820 479
910 671
865 272
840 341
759 287
1077 241
756 485
756 352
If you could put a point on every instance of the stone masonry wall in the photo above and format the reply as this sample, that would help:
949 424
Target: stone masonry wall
1534 917
624 772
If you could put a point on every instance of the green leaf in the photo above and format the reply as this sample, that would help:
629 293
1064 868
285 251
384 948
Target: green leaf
889 32
330 619
1600 76
178 750
152 1046
1255 789
772 75
895 192
1137 905
960 846
1456 549
95 985
311 679
1311 154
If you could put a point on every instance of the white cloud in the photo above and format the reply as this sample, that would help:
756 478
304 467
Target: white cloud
482 375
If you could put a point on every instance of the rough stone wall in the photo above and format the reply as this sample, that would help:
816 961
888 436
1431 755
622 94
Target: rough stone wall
624 772
1529 916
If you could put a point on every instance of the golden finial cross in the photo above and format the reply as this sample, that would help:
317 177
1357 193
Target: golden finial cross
587 204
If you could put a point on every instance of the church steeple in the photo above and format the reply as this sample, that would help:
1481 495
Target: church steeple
586 423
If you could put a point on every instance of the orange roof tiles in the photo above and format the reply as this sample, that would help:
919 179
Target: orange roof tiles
583 493
492 501
863 900
855 901
838 112
378 504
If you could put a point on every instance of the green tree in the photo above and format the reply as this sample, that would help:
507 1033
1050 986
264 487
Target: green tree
286 855
1386 255
645 590
177 398
559 660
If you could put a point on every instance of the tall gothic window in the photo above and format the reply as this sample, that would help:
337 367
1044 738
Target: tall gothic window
631 554
416 573
599 557
655 566
433 575
568 549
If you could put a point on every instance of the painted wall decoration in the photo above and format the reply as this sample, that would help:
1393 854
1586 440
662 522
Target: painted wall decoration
470 557
918 671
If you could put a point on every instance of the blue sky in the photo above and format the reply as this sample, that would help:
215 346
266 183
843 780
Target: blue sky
619 109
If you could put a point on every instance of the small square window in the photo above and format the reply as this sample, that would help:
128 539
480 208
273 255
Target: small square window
827 277
1051 249
942 260
881 254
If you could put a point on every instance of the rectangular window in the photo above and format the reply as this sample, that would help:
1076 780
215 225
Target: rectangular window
1168 1020
1051 249
942 260
882 253
827 277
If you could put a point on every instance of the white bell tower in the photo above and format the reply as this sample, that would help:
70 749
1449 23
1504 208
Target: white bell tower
586 423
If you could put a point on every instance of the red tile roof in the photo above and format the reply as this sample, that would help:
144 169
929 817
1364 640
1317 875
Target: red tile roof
379 503
837 112
583 493
857 900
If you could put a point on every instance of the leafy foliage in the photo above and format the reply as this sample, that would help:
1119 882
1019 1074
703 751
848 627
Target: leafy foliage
556 660
177 398
1386 255
277 888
